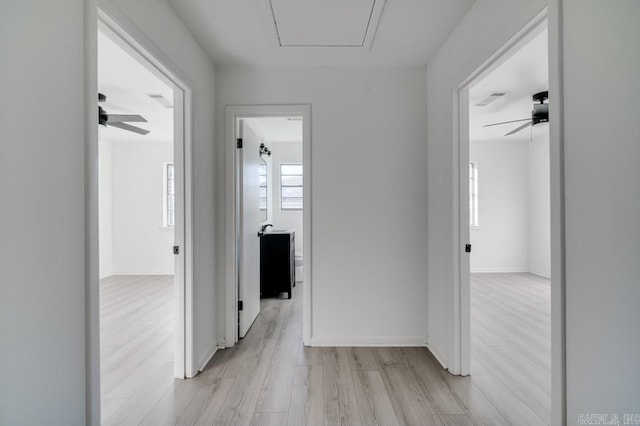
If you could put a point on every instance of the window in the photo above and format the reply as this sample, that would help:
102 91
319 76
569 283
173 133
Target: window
291 186
262 176
473 194
169 196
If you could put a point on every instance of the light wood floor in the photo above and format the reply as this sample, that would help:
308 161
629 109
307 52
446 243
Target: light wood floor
136 345
511 343
269 378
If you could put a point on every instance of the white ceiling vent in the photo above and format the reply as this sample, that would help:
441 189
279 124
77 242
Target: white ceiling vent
160 99
326 23
493 97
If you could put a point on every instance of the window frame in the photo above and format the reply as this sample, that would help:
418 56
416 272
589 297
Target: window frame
166 196
263 166
282 185
474 221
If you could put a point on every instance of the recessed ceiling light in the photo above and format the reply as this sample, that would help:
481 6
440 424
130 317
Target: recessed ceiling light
160 99
492 98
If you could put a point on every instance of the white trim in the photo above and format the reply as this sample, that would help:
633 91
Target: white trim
232 211
377 341
139 274
547 276
461 285
115 24
501 270
91 226
558 270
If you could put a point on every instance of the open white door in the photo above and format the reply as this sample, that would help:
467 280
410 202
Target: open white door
250 221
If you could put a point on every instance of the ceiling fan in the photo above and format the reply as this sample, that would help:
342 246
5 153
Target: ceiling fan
540 113
120 120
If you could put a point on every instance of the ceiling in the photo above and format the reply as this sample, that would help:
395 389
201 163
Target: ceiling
333 33
520 76
127 84
277 129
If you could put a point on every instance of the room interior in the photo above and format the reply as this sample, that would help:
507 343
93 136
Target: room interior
509 231
385 110
137 301
513 232
283 136
134 232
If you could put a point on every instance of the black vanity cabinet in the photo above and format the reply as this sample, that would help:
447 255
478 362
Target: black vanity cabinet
277 263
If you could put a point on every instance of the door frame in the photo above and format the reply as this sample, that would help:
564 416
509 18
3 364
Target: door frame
233 113
461 260
119 29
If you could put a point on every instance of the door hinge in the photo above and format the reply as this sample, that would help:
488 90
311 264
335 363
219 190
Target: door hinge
239 143
467 248
240 306
176 249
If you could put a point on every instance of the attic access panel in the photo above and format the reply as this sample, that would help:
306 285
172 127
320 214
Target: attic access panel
326 23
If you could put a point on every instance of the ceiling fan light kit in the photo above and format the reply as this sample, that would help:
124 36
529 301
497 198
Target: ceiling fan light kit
540 113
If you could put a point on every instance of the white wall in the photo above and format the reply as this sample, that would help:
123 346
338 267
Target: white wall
42 219
287 152
156 26
514 205
368 196
105 208
500 242
141 244
602 206
45 293
539 190
484 29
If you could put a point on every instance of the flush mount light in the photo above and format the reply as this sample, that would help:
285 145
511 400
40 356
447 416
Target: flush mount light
492 98
160 99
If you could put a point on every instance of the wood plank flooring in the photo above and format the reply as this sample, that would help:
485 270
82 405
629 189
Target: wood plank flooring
511 344
136 345
269 378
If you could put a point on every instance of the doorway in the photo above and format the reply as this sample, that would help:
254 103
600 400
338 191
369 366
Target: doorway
504 193
144 222
268 193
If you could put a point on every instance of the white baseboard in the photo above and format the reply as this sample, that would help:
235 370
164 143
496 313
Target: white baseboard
379 341
510 269
206 357
540 274
143 273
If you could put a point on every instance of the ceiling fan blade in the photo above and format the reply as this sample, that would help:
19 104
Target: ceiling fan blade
506 122
517 129
131 118
128 127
